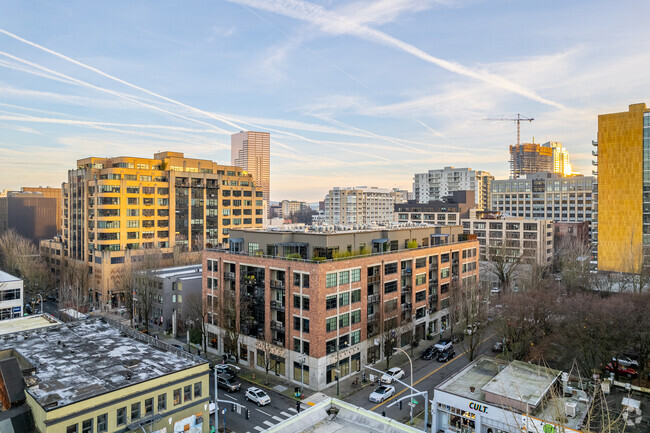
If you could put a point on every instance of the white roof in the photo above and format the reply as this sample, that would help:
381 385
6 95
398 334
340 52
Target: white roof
5 277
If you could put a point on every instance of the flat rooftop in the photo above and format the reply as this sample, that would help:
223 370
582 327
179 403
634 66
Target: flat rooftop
5 277
27 323
521 381
80 360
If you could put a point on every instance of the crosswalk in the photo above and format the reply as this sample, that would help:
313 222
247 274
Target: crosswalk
268 423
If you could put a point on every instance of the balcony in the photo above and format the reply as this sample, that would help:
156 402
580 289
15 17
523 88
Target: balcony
407 307
229 276
594 153
373 298
277 326
277 284
406 290
278 342
277 306
406 271
594 143
594 162
373 279
373 318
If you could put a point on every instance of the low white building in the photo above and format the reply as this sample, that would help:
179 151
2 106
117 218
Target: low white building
11 296
490 396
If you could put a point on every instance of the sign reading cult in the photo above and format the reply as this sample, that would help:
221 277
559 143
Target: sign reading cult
478 407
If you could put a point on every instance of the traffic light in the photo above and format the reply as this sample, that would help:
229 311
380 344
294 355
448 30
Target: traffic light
247 414
232 408
383 413
399 405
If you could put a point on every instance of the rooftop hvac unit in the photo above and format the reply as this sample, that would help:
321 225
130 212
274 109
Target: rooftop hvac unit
570 409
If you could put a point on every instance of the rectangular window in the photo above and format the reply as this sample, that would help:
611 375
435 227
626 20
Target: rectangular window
135 411
421 262
330 302
187 393
102 423
177 397
305 325
148 406
390 287
162 402
330 346
344 277
356 316
355 275
296 323
355 337
444 273
420 296
344 299
330 279
390 268
197 390
420 279
356 296
330 324
121 416
344 320
72 428
305 303
87 426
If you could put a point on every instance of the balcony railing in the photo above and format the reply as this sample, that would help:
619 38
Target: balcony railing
277 326
373 298
373 279
406 271
278 343
229 276
277 284
407 307
278 306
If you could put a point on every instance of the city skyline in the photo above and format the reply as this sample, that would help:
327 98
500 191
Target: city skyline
361 93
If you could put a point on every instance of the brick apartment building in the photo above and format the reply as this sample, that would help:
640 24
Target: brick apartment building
334 296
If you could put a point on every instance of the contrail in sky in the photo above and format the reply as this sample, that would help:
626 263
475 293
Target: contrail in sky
334 23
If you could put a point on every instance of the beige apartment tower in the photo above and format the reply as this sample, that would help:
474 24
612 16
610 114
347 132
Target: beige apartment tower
251 151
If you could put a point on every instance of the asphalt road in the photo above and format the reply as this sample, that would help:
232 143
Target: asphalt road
426 376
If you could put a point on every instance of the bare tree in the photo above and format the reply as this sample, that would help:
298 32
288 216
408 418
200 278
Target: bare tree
572 260
265 346
196 309
389 337
469 311
75 285
20 258
504 263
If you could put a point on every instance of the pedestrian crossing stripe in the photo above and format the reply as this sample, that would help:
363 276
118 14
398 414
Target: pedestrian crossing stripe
285 414
268 423
277 418
293 410
258 428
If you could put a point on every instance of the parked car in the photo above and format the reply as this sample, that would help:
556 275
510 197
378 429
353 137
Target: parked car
258 396
382 393
444 344
471 329
229 359
495 290
622 370
228 382
446 355
626 361
498 347
430 353
212 407
226 370
392 374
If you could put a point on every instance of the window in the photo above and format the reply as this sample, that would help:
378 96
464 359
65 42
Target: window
344 320
330 279
121 416
330 324
135 411
330 302
390 268
344 299
420 296
162 402
356 316
344 277
355 337
305 325
187 393
102 423
444 273
330 346
305 303
421 262
356 295
355 275
390 287
177 397
148 406
72 428
296 323
197 390
420 279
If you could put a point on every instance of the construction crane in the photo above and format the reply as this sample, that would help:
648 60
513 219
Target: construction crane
518 120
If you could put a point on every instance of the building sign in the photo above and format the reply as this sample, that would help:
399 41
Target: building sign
478 407
16 310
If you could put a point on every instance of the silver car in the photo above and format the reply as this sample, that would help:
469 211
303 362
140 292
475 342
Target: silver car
382 393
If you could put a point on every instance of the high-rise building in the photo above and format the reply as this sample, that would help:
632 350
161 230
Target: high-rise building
35 213
446 212
529 158
561 163
359 205
114 209
623 151
289 207
545 196
251 151
436 184
318 314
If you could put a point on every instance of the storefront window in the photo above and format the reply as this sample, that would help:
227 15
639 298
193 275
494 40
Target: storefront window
305 373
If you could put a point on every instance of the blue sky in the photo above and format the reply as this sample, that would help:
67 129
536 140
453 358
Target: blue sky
353 92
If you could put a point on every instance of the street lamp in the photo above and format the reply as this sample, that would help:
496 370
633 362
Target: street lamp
338 365
216 396
39 295
302 368
411 363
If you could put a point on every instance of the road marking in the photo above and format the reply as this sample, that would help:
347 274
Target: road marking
268 423
277 418
292 410
258 428
286 414
267 414
429 374
232 398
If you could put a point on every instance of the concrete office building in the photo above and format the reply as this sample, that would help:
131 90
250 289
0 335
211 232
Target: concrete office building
289 207
530 239
545 196
448 211
94 376
35 213
529 158
359 205
11 296
623 151
116 209
333 311
251 151
436 184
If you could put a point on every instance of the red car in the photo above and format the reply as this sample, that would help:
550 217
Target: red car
622 370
